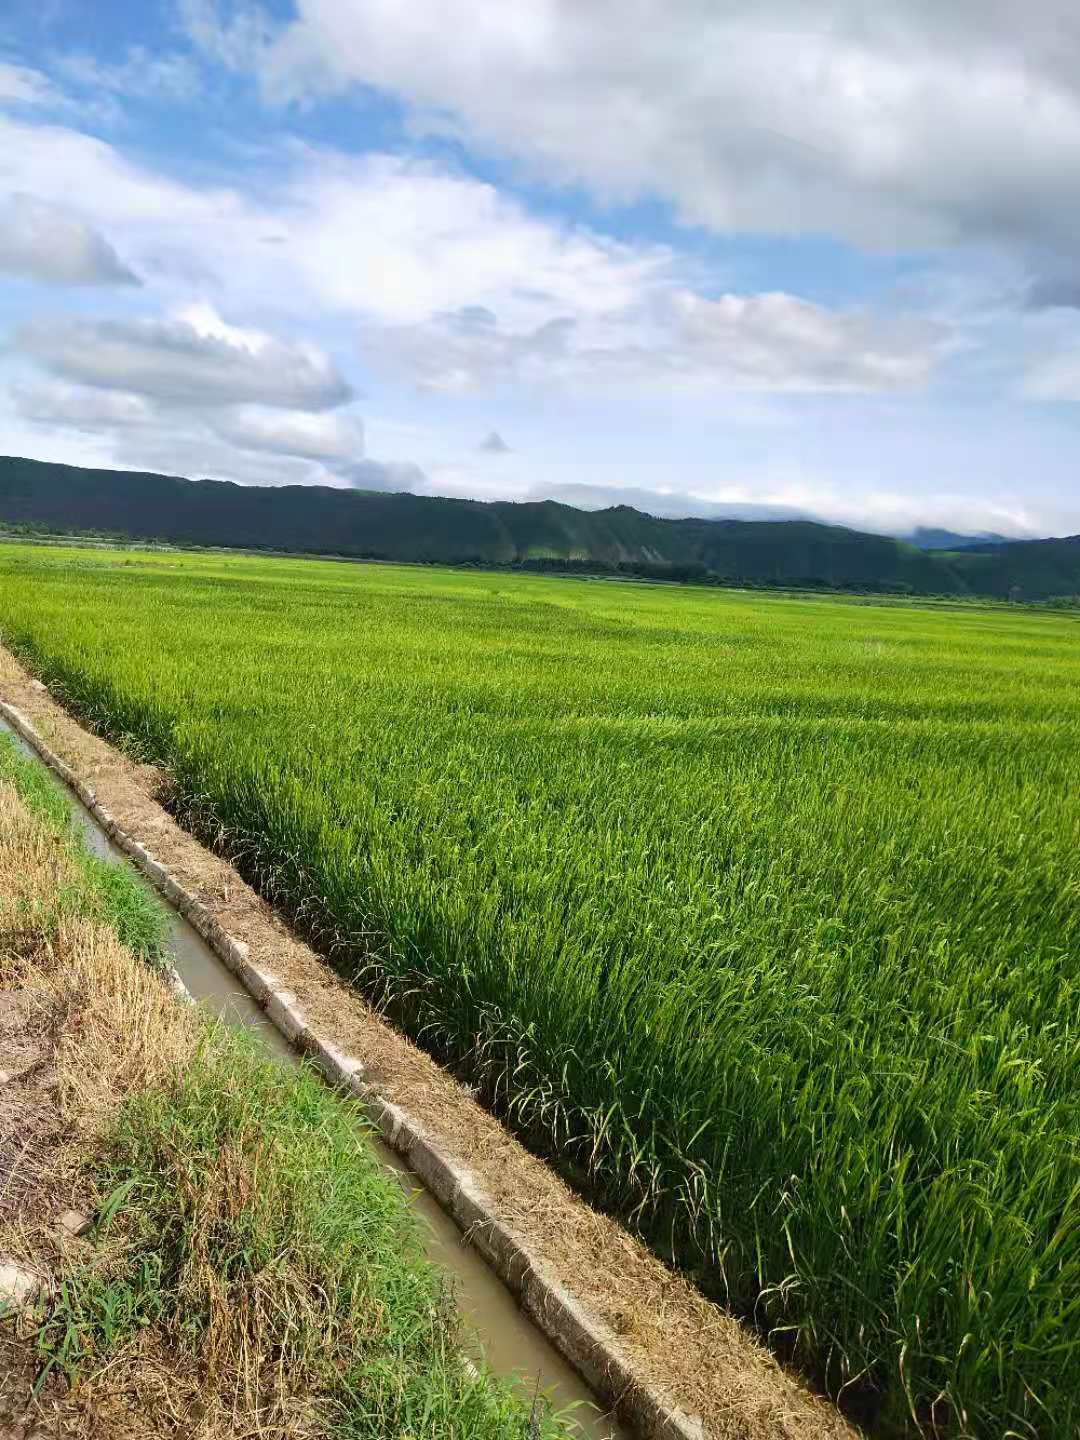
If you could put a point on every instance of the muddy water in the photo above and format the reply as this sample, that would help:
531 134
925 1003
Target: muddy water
507 1338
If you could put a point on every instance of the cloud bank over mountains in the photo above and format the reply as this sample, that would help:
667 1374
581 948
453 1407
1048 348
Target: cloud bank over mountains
792 255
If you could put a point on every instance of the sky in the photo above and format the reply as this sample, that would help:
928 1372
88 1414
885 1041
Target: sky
760 257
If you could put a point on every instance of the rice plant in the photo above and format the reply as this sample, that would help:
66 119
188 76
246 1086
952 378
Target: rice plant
757 913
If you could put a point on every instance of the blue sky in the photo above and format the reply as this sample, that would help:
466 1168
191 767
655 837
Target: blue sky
762 257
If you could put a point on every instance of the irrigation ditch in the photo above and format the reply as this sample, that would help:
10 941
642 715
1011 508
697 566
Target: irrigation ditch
512 1344
533 1315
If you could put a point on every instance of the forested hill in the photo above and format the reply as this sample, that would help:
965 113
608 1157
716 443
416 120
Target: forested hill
539 535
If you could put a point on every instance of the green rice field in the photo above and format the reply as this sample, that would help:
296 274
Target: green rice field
760 914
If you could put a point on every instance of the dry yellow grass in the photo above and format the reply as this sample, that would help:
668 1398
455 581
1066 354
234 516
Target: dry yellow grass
124 1030
83 1023
92 1025
252 1271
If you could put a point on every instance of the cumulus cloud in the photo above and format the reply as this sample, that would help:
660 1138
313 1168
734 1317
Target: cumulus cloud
80 407
191 358
50 243
452 282
380 237
293 432
56 162
493 444
782 343
245 445
428 270
400 239
193 449
769 342
191 394
907 124
467 349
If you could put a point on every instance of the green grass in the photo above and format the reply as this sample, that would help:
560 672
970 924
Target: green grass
761 913
246 1221
104 890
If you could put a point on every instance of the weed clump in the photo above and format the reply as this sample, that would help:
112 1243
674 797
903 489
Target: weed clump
92 887
246 1227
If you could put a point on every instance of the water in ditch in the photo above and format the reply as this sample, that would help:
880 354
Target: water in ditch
510 1343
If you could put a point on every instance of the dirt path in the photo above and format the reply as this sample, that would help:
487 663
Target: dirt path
706 1363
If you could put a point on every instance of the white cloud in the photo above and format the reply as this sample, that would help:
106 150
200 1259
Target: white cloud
57 162
164 76
887 510
191 358
404 265
51 243
194 450
771 342
293 432
20 85
785 492
468 349
779 342
891 125
51 419
24 88
398 240
379 237
79 407
199 451
456 284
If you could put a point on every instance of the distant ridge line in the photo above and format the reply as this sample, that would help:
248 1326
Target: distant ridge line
537 535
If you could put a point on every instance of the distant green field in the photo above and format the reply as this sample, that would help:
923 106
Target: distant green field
760 913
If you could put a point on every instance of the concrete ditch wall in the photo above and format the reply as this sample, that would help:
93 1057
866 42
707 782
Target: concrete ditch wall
585 1341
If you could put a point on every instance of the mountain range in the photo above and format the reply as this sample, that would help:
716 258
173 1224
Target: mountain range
538 535
931 538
